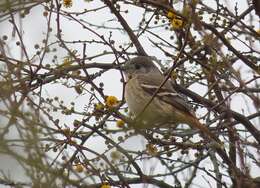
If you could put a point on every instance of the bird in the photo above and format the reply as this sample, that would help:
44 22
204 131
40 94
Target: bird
154 104
153 101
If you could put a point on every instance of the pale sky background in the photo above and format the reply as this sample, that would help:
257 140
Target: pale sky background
34 26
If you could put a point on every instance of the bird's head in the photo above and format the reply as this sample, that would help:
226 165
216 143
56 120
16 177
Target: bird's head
139 65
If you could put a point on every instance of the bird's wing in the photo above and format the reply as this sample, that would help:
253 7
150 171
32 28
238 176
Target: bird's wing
166 93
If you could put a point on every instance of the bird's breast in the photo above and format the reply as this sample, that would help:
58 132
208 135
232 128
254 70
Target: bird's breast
137 100
135 97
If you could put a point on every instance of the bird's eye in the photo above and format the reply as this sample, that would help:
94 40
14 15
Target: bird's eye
137 66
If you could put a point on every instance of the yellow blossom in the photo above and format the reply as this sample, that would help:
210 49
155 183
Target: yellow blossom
111 101
67 3
177 23
151 149
79 168
105 185
120 123
171 15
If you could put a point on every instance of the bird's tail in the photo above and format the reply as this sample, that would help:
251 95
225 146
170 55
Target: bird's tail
194 123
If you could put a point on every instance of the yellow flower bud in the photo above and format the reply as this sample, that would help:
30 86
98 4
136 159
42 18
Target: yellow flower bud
120 123
66 131
115 155
105 185
79 168
258 31
177 23
67 3
151 149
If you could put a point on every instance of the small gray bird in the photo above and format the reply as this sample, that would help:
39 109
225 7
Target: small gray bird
143 79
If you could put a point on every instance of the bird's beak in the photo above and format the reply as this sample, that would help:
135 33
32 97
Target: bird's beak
124 66
121 67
